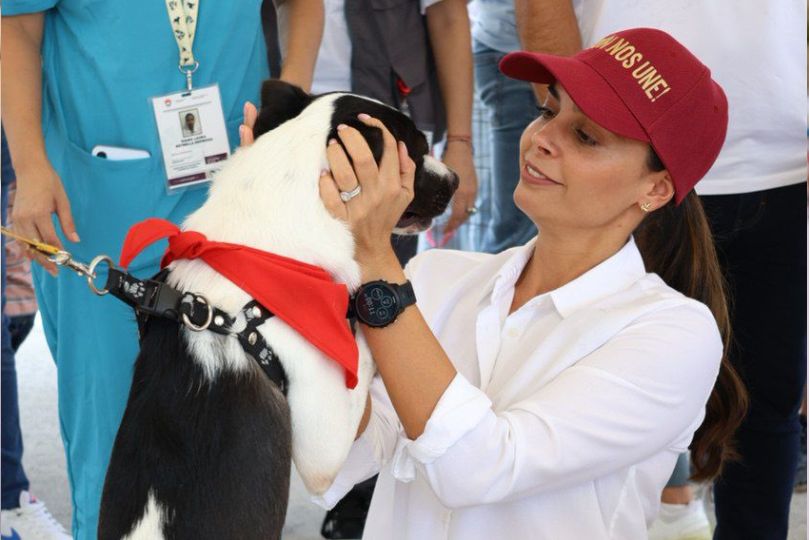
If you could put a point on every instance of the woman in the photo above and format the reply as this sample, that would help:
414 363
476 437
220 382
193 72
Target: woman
546 392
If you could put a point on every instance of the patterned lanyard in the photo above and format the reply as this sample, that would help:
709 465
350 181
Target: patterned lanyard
183 19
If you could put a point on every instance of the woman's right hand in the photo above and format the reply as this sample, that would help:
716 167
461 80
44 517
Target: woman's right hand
39 194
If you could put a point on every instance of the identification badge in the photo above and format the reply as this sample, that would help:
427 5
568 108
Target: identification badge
193 135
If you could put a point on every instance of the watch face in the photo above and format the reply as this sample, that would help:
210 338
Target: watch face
377 305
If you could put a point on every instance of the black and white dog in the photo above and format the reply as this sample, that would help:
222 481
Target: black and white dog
206 441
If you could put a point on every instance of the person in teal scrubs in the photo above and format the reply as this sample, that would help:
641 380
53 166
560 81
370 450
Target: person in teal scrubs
98 63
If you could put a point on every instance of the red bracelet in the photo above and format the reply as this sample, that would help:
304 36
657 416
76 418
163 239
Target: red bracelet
466 139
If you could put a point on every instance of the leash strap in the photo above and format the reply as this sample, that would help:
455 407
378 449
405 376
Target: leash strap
155 298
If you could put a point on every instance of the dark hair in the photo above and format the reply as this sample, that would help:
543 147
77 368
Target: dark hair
676 243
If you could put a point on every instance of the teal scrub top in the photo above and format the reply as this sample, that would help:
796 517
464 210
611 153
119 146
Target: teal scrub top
102 62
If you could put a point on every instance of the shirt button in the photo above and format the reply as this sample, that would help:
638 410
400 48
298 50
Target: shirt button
513 333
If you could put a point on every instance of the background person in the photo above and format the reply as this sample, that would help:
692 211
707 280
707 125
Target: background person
77 74
22 515
500 27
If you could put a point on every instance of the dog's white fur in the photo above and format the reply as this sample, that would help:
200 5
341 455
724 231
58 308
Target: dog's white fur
150 527
267 197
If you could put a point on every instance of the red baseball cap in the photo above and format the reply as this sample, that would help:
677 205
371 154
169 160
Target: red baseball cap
642 84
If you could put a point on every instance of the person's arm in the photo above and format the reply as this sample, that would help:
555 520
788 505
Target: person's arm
300 24
547 26
408 351
448 26
39 189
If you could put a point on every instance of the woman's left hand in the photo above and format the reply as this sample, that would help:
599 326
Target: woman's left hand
246 129
385 189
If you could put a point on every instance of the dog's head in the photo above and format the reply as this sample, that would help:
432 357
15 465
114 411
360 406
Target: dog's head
434 182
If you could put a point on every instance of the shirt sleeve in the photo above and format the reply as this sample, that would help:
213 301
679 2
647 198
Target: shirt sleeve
24 7
371 451
643 391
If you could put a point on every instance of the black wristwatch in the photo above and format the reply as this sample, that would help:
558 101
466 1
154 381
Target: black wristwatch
378 303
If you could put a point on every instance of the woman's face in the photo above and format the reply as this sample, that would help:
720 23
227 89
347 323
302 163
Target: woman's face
574 173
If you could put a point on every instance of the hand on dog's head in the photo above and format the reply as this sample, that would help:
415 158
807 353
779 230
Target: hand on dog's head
434 182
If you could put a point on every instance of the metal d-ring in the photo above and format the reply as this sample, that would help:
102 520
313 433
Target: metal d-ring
207 322
188 73
91 273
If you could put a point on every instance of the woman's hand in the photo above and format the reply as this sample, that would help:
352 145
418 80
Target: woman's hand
246 129
39 195
386 189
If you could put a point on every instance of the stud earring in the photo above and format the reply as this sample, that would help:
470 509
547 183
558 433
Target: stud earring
646 207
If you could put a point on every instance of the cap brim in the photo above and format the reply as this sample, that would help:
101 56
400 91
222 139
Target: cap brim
586 87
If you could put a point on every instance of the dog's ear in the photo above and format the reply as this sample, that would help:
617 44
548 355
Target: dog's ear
280 101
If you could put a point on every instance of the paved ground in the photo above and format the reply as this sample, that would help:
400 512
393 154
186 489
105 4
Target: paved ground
45 461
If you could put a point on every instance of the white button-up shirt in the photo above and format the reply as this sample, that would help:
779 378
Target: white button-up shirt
566 417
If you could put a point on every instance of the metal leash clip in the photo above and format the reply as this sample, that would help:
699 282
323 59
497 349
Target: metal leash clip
63 258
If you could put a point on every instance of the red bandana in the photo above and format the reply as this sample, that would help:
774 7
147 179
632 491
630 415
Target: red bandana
302 295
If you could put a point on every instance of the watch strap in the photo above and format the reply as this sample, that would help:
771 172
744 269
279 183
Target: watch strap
407 296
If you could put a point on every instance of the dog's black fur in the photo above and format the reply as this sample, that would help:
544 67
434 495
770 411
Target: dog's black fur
179 431
188 441
281 102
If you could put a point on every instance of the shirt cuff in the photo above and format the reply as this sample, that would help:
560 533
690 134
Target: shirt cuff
461 407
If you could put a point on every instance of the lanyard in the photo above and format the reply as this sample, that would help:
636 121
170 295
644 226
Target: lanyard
183 19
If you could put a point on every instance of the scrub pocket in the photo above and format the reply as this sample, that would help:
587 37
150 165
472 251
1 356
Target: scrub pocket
108 197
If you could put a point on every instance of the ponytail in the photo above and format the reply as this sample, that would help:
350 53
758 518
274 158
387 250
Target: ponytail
676 243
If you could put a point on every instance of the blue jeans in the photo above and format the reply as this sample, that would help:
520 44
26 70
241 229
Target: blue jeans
510 106
13 476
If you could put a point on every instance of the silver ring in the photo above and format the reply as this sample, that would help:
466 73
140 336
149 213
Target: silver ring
346 196
92 273
472 210
208 320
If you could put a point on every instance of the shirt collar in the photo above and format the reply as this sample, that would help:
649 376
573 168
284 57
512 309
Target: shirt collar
507 276
611 275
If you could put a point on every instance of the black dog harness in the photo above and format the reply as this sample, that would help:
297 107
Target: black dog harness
156 298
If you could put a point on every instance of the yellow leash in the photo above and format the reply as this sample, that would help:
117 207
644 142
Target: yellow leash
42 247
63 258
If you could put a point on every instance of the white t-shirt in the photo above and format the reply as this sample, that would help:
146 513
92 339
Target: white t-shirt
333 66
756 50
566 417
